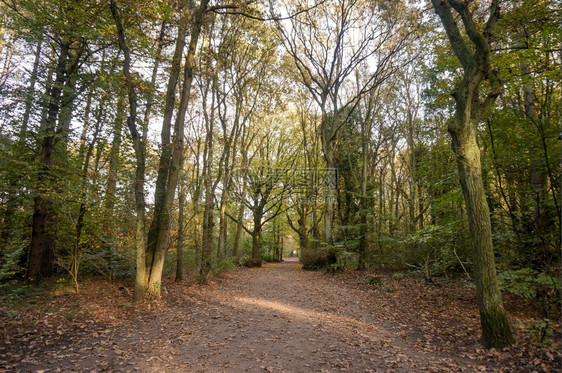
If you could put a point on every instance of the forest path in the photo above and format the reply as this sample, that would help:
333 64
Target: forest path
277 318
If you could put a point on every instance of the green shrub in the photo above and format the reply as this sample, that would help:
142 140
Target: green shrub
344 261
529 283
11 267
439 249
224 265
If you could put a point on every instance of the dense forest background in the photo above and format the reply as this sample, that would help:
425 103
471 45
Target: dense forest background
147 138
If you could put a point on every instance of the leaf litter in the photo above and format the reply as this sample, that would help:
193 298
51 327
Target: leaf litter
277 318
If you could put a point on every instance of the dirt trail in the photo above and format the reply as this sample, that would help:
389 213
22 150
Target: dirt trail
272 319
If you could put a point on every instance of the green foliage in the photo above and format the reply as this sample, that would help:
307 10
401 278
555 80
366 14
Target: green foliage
269 258
125 305
440 249
344 261
529 283
540 287
15 292
398 276
12 263
70 316
107 261
541 331
224 265
268 248
189 259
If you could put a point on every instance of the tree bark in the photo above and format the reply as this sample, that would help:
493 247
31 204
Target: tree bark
255 260
111 187
179 243
139 147
208 208
242 197
496 331
239 228
170 159
53 130
30 92
155 236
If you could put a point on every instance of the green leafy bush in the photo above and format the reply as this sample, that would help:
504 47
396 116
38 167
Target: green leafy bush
225 265
344 261
529 283
440 249
11 266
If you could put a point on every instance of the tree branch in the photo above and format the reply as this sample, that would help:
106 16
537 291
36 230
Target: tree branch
443 10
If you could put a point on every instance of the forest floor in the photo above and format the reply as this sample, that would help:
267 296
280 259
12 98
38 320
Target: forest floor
277 318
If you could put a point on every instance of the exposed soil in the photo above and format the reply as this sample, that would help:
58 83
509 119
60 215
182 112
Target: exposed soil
272 319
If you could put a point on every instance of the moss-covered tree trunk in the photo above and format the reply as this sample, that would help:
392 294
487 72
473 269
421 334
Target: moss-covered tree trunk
256 235
475 60
496 331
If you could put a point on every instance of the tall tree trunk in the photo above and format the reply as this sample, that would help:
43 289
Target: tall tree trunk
495 324
111 187
154 76
364 200
207 241
43 236
3 31
179 243
413 206
475 59
195 197
239 228
139 148
303 233
241 207
256 236
223 201
209 204
330 183
155 235
538 175
221 247
160 227
302 229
